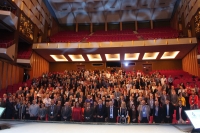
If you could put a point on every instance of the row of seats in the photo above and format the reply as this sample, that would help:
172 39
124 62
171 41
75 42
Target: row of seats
158 33
6 39
69 36
114 35
24 54
111 38
13 88
180 76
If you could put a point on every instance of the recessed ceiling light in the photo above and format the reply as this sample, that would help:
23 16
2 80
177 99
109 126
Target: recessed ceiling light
78 57
131 56
94 57
59 57
112 57
170 55
150 56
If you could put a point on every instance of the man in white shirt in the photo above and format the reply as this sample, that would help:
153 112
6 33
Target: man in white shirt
47 101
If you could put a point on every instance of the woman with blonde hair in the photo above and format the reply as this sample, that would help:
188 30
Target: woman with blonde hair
123 113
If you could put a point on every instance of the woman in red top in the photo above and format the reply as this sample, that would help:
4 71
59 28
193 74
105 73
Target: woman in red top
77 113
193 100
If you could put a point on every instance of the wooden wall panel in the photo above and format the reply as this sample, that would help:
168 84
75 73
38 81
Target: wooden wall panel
4 78
1 73
10 74
156 65
190 63
39 65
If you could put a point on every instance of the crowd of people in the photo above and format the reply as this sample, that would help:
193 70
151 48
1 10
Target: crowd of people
101 96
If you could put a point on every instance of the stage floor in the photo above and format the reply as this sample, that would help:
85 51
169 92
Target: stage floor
51 127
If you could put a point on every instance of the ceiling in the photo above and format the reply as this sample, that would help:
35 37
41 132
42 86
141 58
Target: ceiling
100 11
122 54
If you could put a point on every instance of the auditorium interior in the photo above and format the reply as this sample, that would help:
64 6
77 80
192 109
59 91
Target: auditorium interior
101 46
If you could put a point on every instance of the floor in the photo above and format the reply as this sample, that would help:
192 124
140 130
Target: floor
44 127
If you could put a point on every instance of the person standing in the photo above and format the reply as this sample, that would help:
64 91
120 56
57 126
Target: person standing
180 113
66 112
144 112
157 113
168 112
88 113
112 113
42 112
100 112
52 111
193 100
33 110
77 113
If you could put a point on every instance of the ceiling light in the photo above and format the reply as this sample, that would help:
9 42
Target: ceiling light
131 56
170 55
59 57
112 57
94 57
76 57
150 56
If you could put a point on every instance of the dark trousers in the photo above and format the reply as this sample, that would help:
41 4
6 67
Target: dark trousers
34 118
151 112
144 120
168 120
68 119
89 120
112 120
157 119
100 120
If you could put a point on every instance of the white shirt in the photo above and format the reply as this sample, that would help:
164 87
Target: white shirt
47 101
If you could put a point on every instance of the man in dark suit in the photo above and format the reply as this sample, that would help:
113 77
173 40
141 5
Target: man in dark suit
112 113
180 113
168 112
100 112
157 113
52 111
66 112
88 113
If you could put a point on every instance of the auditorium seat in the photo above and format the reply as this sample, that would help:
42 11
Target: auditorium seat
158 33
24 52
6 39
68 36
112 35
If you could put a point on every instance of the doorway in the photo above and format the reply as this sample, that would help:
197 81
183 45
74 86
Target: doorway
147 68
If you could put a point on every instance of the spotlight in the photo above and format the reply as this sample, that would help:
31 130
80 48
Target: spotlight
126 64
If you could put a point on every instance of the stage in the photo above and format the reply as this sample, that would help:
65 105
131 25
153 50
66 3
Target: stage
62 127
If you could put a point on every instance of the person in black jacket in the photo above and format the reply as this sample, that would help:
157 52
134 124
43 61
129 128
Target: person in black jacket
100 112
9 108
112 113
168 111
157 113
180 113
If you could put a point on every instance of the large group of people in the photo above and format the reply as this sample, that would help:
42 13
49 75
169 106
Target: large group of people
101 96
